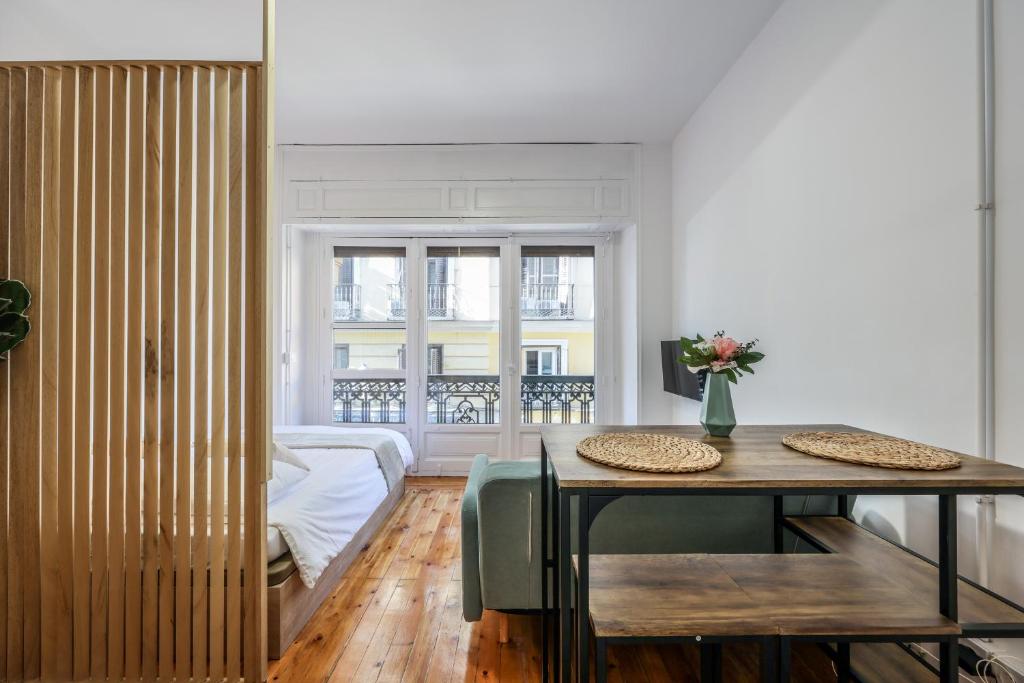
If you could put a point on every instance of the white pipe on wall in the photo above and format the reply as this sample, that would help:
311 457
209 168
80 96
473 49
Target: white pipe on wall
986 225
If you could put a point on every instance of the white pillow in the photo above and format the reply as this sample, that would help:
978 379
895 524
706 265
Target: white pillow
285 477
285 454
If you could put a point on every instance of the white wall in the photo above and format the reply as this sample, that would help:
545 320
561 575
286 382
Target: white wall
823 201
655 279
37 30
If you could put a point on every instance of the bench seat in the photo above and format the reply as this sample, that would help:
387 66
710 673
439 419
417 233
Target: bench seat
845 537
736 596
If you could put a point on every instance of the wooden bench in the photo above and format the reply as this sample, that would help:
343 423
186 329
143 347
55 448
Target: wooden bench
712 599
982 613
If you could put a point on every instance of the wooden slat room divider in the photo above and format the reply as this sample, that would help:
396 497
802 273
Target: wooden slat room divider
133 418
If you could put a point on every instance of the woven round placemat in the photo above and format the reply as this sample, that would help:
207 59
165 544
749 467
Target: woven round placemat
872 449
649 452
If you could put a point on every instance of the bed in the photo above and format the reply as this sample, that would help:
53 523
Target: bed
316 528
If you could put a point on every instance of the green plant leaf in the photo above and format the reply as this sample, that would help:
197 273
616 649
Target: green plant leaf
17 296
13 329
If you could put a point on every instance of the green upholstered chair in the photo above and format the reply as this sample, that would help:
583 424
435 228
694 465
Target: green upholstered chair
501 558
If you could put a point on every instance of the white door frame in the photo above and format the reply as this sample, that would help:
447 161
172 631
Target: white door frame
525 438
325 362
510 438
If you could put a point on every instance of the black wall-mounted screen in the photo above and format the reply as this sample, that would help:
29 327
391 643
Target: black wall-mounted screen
677 377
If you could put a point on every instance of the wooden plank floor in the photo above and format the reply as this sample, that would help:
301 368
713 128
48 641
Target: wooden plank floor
397 616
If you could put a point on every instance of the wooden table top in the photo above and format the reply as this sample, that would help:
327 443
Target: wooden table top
752 595
755 458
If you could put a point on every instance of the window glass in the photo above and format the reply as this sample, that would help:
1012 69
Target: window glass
557 331
462 306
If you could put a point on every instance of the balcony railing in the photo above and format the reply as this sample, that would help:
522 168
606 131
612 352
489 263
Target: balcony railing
396 302
440 302
467 399
348 302
538 302
557 399
377 401
548 301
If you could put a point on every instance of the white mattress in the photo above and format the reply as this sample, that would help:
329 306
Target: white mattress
319 516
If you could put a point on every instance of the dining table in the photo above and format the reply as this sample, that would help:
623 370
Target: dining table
755 462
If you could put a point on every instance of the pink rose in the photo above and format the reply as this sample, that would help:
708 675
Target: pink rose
725 347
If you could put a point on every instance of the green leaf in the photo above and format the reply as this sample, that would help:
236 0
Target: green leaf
14 327
17 295
731 375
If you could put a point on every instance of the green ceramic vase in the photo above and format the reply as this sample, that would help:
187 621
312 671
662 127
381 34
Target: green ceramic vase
716 414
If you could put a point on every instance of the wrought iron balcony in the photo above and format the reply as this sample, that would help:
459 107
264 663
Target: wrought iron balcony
467 399
348 302
548 301
463 399
396 301
557 399
377 401
440 302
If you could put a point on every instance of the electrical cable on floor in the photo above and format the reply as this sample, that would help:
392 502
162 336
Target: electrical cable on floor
985 665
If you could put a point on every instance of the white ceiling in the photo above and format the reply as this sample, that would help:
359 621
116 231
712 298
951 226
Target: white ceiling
430 71
449 71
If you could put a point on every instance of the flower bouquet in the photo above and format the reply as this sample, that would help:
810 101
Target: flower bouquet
719 354
723 358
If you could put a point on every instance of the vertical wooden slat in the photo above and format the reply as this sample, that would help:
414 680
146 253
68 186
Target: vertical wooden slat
118 314
48 322
235 241
134 447
183 537
167 371
101 373
66 375
150 487
83 374
134 419
25 375
256 388
17 525
5 233
218 364
200 540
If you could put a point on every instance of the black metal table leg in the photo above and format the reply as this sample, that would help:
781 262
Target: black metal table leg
769 659
564 587
784 659
544 562
601 654
555 588
843 505
843 662
948 655
777 522
710 663
583 589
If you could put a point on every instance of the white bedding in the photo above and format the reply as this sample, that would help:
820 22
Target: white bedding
322 513
281 432
318 517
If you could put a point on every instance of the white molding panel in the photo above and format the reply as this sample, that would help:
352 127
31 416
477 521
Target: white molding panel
329 199
325 184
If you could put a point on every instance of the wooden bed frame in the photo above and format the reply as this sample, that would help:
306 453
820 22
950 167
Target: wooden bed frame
290 603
